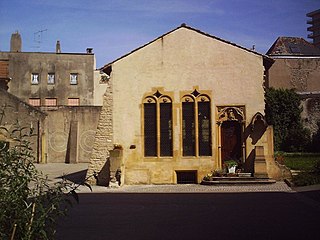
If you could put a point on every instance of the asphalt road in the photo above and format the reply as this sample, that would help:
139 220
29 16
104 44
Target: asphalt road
265 215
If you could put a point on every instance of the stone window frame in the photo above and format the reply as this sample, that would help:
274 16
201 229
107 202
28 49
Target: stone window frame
196 96
35 78
51 78
74 78
158 96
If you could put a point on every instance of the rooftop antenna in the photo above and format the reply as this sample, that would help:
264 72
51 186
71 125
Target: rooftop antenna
37 37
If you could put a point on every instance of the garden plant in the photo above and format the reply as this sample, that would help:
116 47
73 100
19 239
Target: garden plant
29 205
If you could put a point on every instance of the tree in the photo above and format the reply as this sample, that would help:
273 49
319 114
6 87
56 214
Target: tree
283 111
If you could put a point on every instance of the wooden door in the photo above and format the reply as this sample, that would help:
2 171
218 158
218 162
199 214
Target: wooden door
230 140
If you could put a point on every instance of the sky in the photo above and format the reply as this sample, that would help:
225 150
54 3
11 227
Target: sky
116 27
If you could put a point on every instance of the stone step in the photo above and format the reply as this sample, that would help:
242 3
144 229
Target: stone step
237 180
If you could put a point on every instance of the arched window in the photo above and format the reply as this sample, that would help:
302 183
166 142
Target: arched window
196 125
157 125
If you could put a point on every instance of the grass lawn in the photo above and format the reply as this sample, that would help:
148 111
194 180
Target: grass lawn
306 163
301 161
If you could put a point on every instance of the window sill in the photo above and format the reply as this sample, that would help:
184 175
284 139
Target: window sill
158 159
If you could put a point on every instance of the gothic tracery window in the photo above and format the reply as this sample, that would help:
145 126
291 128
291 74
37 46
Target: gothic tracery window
196 125
157 125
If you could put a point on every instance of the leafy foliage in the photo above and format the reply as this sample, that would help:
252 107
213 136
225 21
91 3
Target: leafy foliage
316 140
29 205
305 179
283 112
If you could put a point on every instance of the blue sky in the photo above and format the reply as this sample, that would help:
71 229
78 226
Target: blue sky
115 27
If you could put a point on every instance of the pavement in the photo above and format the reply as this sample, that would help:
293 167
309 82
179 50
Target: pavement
77 172
191 211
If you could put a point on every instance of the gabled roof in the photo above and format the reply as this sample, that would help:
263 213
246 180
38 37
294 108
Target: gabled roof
195 30
313 13
293 46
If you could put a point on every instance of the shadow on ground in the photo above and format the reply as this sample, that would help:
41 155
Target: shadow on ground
76 177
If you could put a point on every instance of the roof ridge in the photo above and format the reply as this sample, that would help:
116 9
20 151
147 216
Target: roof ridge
287 45
184 25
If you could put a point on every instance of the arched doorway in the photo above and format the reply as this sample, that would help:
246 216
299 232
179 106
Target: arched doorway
231 124
230 141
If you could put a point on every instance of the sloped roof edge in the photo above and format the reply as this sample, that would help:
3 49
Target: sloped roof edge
15 98
193 29
282 46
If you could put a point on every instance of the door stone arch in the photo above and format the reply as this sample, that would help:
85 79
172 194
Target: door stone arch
231 126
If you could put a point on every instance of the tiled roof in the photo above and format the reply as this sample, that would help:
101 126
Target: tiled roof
293 46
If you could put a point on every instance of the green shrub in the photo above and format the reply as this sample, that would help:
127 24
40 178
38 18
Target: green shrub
306 178
307 163
283 111
29 206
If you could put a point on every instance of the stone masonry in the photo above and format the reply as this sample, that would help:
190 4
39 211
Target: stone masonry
103 144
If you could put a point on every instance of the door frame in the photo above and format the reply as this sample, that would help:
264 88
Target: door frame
230 113
231 141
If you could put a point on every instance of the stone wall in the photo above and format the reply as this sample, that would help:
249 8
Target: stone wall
70 133
311 112
103 143
15 110
300 73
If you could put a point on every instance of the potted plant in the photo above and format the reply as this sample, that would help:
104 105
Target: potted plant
231 165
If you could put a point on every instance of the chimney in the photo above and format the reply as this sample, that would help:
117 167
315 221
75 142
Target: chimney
58 47
89 50
15 42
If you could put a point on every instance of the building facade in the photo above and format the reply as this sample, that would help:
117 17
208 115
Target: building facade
314 21
180 106
297 66
67 87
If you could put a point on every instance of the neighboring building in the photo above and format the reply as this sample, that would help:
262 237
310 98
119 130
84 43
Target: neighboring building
67 87
51 79
15 113
179 107
297 66
315 27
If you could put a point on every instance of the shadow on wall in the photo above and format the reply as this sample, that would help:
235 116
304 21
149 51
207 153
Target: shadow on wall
249 164
72 145
255 130
103 178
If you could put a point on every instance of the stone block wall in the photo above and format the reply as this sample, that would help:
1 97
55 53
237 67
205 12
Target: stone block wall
14 110
311 112
103 144
70 133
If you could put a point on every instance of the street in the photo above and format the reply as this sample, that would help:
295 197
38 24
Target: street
245 215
